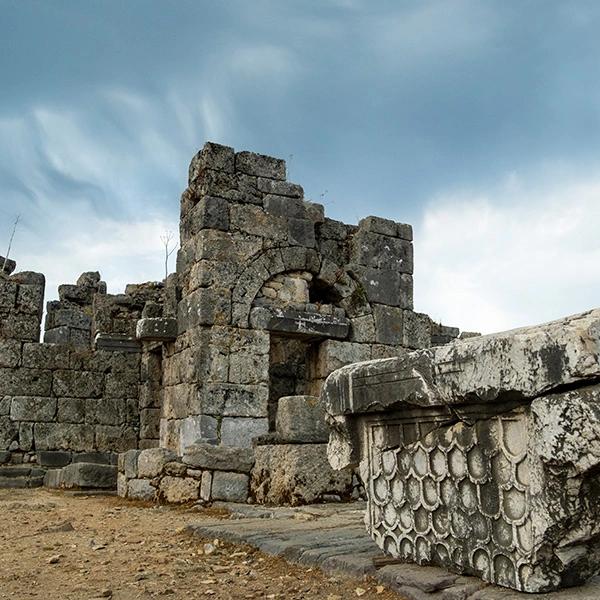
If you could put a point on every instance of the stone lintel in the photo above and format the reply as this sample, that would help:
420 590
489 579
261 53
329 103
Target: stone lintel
116 343
299 323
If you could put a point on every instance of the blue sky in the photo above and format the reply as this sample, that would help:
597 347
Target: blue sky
476 121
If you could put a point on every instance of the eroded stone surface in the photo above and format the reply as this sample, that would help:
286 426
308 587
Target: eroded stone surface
296 474
470 464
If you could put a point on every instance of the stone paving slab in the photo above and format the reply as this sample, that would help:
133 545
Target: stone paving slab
332 537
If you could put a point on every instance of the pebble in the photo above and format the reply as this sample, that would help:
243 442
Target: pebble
209 548
54 559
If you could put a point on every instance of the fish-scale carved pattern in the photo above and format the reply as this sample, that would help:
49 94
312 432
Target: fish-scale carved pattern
458 497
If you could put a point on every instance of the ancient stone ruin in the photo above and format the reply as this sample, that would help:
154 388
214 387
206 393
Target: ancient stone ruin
476 454
482 456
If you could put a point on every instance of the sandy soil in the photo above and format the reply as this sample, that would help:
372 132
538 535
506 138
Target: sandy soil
56 545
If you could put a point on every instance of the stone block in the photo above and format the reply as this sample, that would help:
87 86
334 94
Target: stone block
9 432
5 405
209 213
59 315
115 438
383 286
63 436
260 165
253 220
196 428
53 478
78 384
301 232
217 184
54 458
32 408
7 265
71 410
296 474
111 342
89 475
416 330
140 489
8 294
45 356
219 458
76 294
301 419
333 354
26 437
161 329
101 458
230 487
442 334
121 485
128 463
10 353
150 463
212 156
503 508
204 306
25 382
389 324
120 385
206 486
280 188
89 279
240 431
378 225
30 299
362 329
236 400
149 423
382 252
281 206
247 367
24 327
179 489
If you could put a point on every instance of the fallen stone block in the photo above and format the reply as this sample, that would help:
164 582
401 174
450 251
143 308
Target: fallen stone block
474 456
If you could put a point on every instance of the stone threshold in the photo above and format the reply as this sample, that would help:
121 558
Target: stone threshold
332 537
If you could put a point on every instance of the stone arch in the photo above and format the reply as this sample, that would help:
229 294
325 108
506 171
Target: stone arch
274 261
267 264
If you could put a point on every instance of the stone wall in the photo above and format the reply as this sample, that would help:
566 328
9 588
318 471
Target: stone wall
67 400
261 269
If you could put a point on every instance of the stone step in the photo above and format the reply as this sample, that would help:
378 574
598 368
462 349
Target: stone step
20 482
83 475
13 471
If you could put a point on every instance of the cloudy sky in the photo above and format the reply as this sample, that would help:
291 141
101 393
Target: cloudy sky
476 121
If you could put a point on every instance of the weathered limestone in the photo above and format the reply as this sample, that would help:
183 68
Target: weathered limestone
301 419
471 462
296 474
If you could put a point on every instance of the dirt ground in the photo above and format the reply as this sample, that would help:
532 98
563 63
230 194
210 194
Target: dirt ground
56 545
